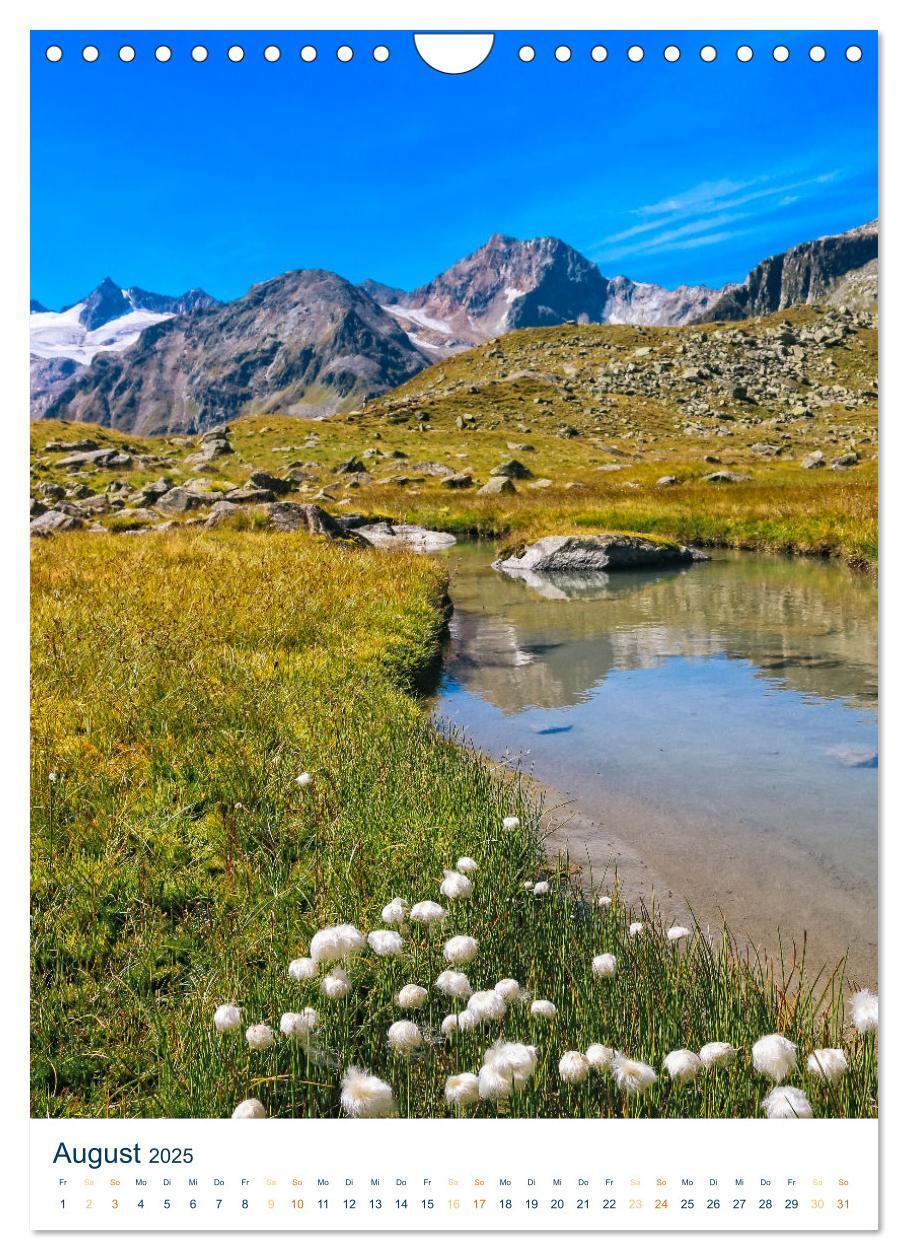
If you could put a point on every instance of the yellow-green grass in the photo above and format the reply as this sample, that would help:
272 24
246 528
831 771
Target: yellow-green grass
181 683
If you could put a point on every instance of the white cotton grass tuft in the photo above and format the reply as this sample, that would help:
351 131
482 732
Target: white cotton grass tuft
462 1090
365 1097
304 779
508 989
787 1103
774 1056
487 1005
682 1065
604 902
542 888
466 865
227 1017
717 1053
303 969
336 984
260 1037
461 949
412 997
574 1067
541 1008
631 1075
385 943
865 1010
395 911
600 1057
334 944
455 886
299 1024
249 1109
467 1020
605 965
529 885
454 984
404 1036
635 928
676 933
427 912
829 1063
511 823
449 1025
506 1067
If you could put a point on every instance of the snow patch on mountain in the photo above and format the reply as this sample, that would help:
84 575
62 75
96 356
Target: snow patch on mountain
61 335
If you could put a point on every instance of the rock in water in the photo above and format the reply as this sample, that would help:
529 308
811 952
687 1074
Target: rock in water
595 551
406 537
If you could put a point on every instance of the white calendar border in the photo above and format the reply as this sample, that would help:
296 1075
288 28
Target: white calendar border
349 14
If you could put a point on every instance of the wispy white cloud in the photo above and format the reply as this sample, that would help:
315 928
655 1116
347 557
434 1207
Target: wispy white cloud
693 218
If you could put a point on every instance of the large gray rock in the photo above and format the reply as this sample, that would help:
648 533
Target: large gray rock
563 553
725 476
313 519
53 522
406 537
498 485
514 469
107 457
814 460
221 511
178 499
251 494
262 480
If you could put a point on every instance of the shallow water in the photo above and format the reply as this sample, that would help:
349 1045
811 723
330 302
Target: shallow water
714 728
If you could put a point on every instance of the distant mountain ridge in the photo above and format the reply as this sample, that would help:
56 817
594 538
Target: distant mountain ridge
312 343
303 344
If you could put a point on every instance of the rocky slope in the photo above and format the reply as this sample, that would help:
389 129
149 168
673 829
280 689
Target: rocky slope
812 272
302 344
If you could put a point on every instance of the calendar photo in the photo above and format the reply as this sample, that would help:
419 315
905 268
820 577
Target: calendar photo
453 515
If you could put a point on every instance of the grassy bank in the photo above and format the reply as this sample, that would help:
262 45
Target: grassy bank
181 683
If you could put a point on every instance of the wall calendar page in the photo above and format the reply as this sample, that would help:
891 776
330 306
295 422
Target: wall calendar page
453 554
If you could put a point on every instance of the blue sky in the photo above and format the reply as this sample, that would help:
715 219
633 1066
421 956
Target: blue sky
220 174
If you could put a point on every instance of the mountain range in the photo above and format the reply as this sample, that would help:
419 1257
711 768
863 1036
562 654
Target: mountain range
311 343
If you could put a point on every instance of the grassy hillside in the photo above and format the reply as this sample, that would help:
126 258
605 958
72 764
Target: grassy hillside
599 416
181 683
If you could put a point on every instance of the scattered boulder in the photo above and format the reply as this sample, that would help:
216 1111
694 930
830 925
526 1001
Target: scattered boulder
261 480
251 494
595 552
848 460
514 469
50 491
307 516
457 481
53 522
814 460
431 469
178 499
351 465
107 457
725 476
498 485
667 481
220 511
